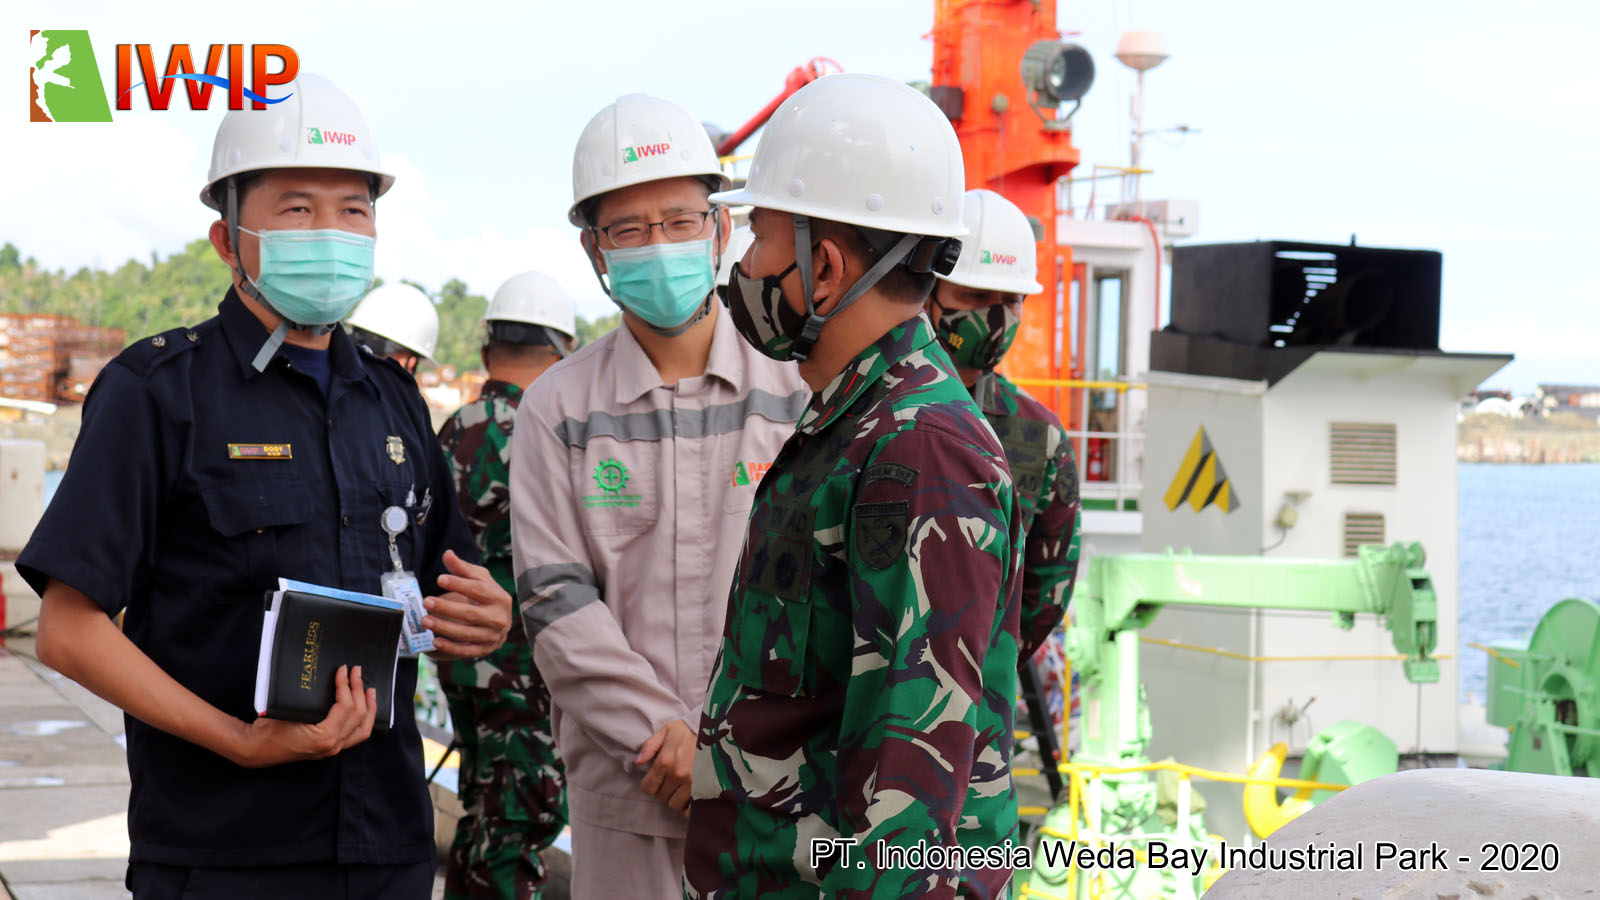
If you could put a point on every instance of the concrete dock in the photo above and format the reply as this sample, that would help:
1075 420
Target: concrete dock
64 787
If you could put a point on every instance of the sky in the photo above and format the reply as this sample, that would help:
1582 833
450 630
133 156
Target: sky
1466 127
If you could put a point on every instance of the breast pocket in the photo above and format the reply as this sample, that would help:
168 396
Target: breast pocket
615 485
770 623
257 518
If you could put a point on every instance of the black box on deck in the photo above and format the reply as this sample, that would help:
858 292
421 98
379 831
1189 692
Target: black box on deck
1289 294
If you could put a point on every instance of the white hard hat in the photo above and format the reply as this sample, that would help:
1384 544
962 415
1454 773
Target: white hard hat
738 243
317 126
534 298
400 313
863 150
1000 254
637 139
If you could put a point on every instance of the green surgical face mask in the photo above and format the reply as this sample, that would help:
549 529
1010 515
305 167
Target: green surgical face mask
978 338
663 284
314 276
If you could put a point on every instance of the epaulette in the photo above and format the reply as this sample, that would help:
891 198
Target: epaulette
147 354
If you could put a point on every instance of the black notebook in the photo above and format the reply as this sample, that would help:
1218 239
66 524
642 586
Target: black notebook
309 632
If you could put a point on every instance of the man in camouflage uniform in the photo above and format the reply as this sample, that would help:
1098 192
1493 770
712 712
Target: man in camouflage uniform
864 690
511 780
976 310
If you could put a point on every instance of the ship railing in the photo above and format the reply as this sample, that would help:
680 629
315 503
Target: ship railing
1110 463
1127 181
1086 798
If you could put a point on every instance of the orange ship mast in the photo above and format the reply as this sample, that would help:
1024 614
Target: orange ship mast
1001 73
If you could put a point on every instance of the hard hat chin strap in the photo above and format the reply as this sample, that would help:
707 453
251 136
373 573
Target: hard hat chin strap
556 341
269 349
812 329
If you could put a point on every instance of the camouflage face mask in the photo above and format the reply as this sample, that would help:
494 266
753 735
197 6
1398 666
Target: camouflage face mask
761 316
978 338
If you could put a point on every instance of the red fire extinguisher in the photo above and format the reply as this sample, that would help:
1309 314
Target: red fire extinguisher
1097 469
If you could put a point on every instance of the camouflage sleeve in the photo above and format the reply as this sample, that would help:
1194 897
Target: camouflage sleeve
929 555
1050 555
450 435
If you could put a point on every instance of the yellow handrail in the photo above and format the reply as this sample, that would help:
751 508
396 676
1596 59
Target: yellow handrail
1080 383
1245 657
1074 768
1110 172
1501 657
1076 772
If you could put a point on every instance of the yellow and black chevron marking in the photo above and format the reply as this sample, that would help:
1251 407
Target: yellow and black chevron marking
1200 479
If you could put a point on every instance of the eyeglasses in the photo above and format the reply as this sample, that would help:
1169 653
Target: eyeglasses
681 227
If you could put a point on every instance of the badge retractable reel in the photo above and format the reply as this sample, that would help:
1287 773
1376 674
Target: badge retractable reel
400 585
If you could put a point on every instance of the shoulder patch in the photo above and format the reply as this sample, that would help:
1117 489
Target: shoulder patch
880 532
148 353
889 471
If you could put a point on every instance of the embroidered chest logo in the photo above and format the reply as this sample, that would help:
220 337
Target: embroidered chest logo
747 473
611 477
396 448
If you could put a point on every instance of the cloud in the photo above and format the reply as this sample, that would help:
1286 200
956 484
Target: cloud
1548 351
97 195
425 240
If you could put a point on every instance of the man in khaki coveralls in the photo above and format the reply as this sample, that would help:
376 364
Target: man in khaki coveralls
633 469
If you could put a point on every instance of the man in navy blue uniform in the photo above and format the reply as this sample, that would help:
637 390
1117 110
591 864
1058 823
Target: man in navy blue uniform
213 460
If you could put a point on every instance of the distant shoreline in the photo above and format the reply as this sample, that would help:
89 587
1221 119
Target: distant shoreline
1562 438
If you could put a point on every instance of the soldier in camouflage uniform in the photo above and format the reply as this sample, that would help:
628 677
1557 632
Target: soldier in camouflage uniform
976 310
864 689
511 781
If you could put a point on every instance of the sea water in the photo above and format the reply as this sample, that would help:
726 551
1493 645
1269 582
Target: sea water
1530 536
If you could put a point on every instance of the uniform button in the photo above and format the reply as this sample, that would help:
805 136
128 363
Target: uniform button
192 337
345 521
158 342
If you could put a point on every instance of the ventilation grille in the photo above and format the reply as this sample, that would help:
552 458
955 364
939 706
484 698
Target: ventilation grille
1362 528
1362 453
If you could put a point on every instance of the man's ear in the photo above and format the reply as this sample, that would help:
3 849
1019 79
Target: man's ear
219 242
828 263
591 249
726 218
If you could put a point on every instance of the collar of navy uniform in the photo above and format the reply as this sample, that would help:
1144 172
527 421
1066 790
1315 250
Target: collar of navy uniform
245 335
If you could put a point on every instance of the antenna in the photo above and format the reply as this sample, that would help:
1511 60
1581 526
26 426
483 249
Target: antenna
1140 51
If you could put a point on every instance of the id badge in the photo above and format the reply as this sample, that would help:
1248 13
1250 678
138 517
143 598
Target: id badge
402 586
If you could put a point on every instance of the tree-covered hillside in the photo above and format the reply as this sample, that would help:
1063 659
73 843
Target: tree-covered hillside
184 289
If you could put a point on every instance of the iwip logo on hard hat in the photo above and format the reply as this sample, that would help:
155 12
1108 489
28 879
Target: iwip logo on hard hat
998 259
324 136
64 83
634 154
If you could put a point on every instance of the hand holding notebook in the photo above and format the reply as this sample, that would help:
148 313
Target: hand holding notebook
270 742
309 634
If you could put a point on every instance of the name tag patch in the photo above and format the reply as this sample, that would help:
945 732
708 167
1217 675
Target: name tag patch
260 451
